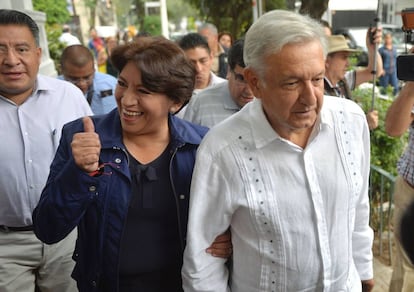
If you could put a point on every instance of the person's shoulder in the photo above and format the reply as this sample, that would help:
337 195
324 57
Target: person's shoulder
236 125
104 78
342 105
55 83
211 91
62 93
188 131
232 131
207 102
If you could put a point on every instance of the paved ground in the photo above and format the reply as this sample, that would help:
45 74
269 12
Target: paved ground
382 276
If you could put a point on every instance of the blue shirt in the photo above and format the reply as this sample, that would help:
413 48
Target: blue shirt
103 90
389 59
29 136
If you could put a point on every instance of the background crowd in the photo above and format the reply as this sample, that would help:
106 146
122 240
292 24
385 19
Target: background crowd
233 138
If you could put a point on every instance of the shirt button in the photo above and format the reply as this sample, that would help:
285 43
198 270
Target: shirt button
117 160
92 188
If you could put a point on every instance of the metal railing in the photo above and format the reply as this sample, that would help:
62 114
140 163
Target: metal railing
381 189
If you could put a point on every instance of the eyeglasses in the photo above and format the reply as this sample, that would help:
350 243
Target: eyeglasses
239 78
78 80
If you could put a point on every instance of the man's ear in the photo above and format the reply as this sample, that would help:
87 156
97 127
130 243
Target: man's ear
327 61
175 107
253 81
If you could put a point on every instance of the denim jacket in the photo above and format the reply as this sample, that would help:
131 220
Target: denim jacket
98 206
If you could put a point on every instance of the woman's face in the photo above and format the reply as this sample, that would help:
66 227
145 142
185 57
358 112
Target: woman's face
141 111
225 41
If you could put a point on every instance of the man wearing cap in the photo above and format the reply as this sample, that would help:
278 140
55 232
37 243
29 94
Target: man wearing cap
339 81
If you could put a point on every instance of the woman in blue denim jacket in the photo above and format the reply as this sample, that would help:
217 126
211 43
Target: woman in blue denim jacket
123 179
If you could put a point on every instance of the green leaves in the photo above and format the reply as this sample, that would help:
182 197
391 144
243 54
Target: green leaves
385 150
56 11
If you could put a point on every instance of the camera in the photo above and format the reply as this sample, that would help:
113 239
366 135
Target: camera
405 63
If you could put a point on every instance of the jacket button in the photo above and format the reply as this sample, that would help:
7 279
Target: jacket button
117 160
92 188
93 283
182 197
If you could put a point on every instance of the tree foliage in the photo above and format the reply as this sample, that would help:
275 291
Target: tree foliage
152 25
236 17
179 9
139 13
56 11
56 15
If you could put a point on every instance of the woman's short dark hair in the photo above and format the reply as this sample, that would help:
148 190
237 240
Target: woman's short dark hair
163 65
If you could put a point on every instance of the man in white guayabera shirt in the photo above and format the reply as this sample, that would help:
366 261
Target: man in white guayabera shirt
288 174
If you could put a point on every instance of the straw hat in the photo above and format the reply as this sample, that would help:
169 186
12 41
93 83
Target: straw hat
338 43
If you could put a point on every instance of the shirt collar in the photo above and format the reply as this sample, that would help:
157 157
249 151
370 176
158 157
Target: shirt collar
265 134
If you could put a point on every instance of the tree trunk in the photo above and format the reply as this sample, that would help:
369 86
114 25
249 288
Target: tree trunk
290 5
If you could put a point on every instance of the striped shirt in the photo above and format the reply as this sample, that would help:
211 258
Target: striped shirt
405 165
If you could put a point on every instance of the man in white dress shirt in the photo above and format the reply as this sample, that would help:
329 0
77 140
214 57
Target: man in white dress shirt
288 174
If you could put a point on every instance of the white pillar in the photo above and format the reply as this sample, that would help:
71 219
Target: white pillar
164 18
259 8
16 4
254 10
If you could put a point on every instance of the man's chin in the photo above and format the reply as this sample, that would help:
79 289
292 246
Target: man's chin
200 85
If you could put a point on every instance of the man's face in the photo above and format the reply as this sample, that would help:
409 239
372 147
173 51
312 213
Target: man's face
336 66
291 88
82 77
239 89
19 62
93 33
211 38
202 62
225 41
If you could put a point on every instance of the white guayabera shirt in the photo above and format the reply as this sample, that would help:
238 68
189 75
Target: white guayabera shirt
299 218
